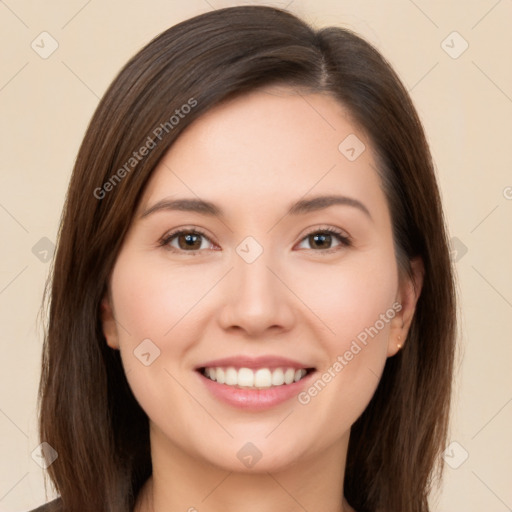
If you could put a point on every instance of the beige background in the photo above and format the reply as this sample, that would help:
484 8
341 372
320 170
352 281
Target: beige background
466 107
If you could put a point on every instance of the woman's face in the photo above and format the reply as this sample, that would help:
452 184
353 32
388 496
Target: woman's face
255 289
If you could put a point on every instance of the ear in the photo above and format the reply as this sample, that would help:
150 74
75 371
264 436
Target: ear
108 322
408 294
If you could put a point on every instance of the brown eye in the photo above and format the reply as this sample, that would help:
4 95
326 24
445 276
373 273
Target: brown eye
186 240
321 240
189 241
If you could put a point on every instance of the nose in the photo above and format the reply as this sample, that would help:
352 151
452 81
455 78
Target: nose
256 299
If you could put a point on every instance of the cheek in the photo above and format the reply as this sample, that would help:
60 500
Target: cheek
152 299
355 303
355 359
359 304
154 308
151 303
352 296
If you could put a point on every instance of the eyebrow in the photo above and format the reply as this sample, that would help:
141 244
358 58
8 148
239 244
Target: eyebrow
301 207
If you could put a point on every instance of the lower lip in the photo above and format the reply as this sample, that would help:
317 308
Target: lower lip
255 399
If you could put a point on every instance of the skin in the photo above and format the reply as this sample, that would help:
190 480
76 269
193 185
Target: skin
253 156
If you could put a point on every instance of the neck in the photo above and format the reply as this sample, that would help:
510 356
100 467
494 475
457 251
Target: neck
186 483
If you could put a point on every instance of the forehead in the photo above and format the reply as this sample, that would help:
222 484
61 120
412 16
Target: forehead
275 142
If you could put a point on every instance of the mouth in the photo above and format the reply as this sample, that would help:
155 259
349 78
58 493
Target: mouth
254 378
254 383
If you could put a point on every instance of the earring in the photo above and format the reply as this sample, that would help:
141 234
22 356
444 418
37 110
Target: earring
399 345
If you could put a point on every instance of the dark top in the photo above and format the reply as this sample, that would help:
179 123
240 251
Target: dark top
53 506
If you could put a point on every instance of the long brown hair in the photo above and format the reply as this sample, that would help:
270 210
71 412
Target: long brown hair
88 413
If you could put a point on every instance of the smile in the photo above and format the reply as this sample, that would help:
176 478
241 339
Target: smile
255 383
260 378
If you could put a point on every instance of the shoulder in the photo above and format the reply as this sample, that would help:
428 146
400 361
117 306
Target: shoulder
52 506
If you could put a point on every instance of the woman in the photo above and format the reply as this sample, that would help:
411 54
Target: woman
252 303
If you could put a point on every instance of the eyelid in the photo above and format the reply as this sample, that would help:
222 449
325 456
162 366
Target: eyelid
325 228
344 238
167 237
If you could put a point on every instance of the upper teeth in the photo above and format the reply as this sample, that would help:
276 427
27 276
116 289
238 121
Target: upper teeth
261 378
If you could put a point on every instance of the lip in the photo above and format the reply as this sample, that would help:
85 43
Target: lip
271 362
255 399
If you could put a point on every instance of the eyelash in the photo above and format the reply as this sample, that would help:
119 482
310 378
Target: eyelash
345 240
